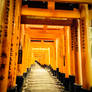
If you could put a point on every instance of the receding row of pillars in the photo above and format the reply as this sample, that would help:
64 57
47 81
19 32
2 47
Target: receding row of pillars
76 56
76 60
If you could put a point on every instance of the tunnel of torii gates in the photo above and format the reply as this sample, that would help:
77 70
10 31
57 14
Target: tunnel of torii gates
59 39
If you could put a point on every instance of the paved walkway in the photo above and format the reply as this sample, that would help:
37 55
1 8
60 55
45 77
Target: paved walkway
41 80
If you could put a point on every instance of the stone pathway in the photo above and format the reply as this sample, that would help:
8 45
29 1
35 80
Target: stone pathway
41 80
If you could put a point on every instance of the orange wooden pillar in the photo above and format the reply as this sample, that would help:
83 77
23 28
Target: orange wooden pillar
67 58
72 64
67 51
49 63
20 53
75 63
90 38
14 46
59 57
85 50
53 56
21 49
61 53
57 53
25 54
29 55
18 33
12 52
47 54
63 50
24 58
5 41
58 62
78 70
42 54
32 55
42 57
21 58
